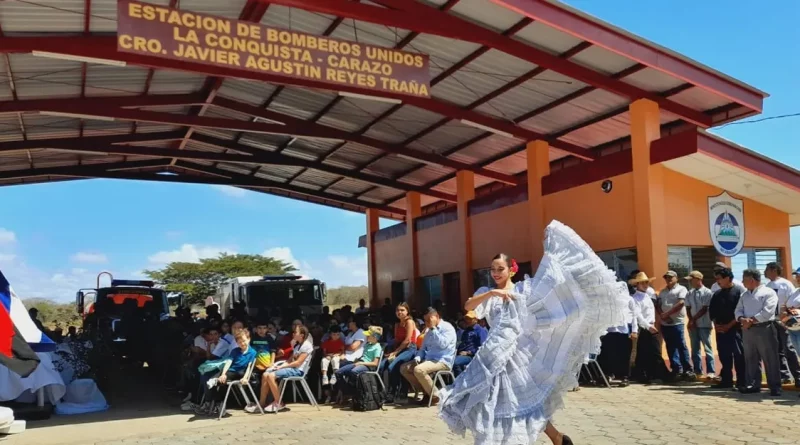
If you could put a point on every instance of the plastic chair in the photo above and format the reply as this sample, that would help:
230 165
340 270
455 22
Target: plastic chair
377 373
592 360
438 381
238 384
303 384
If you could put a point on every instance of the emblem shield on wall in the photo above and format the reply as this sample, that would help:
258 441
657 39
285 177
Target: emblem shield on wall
726 223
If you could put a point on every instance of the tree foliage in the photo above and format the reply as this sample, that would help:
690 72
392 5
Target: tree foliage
200 280
53 314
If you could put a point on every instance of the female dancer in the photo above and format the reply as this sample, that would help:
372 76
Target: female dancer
403 350
542 330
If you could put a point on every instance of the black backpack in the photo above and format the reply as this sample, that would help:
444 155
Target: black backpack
368 395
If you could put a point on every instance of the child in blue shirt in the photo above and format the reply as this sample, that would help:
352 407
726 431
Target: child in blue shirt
235 368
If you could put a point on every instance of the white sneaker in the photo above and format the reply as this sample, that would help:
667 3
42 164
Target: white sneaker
251 408
187 398
711 375
333 379
270 408
325 380
212 383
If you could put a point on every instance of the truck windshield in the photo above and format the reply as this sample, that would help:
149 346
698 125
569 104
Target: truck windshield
114 301
270 295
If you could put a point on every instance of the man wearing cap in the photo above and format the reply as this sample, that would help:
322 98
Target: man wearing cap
756 313
472 338
436 354
697 302
672 311
790 367
649 365
715 287
730 348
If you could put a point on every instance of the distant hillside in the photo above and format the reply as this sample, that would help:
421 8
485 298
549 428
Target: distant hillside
53 314
342 296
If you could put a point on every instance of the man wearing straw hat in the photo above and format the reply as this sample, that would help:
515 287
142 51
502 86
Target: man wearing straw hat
649 365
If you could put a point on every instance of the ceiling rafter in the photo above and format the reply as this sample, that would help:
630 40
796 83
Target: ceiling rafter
416 16
448 5
318 130
253 11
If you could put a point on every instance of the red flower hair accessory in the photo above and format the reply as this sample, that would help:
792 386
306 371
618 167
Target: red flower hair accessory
513 268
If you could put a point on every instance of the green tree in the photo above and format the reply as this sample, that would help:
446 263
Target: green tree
200 280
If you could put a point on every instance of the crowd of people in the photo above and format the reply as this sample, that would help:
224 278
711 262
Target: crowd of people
333 347
754 321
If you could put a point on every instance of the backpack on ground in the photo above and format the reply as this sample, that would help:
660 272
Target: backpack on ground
368 395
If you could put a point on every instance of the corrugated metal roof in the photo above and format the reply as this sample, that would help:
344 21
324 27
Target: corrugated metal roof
37 77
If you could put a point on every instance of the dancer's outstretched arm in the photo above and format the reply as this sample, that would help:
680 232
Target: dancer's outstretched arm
477 299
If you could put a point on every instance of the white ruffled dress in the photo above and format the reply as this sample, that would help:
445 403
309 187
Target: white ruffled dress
536 345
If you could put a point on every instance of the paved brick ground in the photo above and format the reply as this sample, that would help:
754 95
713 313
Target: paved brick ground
635 415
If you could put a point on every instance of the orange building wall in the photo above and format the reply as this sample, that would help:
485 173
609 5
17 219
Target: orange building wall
441 249
604 220
392 263
502 230
686 199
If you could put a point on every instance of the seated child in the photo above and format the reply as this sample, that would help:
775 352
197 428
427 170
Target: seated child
235 366
333 352
264 345
369 361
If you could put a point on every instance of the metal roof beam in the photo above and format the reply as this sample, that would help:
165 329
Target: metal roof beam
80 142
89 103
82 170
418 17
247 181
334 133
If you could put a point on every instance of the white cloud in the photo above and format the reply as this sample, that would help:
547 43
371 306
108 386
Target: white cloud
355 266
7 236
234 192
89 257
282 254
188 253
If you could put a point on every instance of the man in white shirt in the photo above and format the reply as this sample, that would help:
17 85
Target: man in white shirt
362 307
649 364
736 283
756 313
615 352
672 311
790 367
697 301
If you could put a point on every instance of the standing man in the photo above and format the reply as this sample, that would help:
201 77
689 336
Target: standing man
697 302
437 353
617 345
736 283
672 311
756 313
722 310
650 366
790 367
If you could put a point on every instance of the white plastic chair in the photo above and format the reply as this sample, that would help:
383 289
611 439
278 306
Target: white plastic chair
303 384
238 384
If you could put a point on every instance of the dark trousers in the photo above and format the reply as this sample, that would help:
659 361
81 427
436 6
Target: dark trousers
790 367
731 356
397 384
649 362
217 393
460 364
678 353
615 355
761 343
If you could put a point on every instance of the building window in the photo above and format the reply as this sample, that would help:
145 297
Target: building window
432 288
679 259
621 261
754 258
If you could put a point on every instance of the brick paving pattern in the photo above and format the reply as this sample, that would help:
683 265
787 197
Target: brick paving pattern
651 415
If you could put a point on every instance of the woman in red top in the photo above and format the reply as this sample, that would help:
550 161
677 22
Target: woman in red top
403 350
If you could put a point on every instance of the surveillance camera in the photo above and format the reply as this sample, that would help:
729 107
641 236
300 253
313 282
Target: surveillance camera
607 186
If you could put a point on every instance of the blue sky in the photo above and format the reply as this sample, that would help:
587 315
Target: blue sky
54 238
